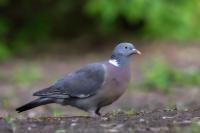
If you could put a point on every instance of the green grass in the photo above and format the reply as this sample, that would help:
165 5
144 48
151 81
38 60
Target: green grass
130 111
127 111
56 112
160 75
4 52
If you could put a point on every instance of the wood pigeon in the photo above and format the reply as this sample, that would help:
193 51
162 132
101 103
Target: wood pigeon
92 86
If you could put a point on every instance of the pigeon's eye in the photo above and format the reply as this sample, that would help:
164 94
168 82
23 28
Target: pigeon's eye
126 47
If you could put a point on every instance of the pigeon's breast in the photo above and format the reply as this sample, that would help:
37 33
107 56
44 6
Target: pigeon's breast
118 77
116 82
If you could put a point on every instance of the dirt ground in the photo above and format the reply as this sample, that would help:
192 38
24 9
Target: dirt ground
168 121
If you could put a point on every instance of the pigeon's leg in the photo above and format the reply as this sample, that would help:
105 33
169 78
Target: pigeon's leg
99 114
94 113
97 111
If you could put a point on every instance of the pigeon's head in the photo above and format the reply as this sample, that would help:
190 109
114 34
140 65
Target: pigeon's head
125 49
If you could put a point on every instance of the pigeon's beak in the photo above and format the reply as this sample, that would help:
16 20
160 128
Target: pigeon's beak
135 51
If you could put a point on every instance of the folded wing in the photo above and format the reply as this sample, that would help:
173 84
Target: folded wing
82 83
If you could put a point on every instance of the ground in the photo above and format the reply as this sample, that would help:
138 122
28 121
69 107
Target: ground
166 121
137 110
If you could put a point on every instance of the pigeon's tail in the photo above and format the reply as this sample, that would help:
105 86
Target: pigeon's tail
33 104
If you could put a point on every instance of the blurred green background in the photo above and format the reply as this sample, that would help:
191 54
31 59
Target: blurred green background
23 24
42 40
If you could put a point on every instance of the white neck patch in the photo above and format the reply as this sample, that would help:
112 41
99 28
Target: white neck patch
114 62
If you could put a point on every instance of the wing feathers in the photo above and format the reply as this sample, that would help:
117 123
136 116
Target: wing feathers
82 83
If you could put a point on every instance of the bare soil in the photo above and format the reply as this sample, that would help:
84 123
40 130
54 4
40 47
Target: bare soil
142 122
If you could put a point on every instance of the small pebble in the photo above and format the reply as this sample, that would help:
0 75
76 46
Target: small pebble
73 124
31 114
167 117
113 130
141 120
75 120
104 118
29 128
60 131
106 125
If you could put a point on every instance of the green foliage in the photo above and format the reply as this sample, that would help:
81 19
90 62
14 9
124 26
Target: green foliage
106 12
164 19
189 77
4 27
26 74
34 21
4 52
158 74
4 2
161 76
30 22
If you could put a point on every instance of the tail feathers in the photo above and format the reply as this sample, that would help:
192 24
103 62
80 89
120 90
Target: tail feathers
33 104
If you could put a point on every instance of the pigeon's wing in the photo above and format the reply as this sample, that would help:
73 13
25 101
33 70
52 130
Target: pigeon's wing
82 83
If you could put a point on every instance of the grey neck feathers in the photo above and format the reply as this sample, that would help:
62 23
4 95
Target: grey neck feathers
120 59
